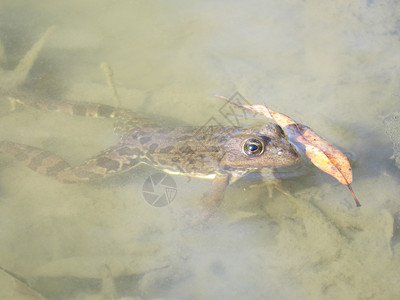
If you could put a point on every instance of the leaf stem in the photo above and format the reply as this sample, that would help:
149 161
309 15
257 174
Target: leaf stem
354 196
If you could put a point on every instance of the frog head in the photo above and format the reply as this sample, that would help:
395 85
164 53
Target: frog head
259 147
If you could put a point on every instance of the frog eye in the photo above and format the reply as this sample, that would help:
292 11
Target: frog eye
253 147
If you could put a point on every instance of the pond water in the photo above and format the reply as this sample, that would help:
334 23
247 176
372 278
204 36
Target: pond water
332 65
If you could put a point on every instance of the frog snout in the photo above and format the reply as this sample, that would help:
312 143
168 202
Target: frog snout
289 155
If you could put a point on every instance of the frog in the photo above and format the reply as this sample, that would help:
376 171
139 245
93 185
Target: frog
220 153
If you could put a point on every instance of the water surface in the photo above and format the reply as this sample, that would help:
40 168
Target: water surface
332 65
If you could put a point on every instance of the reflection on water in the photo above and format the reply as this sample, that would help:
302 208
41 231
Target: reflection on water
328 64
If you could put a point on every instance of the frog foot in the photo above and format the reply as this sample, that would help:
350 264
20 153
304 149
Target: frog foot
14 102
11 79
271 187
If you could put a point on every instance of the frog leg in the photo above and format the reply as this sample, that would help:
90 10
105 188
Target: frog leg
114 160
125 120
108 72
19 74
3 58
271 186
212 199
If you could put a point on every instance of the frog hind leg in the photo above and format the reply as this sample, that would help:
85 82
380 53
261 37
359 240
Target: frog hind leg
19 74
125 120
115 160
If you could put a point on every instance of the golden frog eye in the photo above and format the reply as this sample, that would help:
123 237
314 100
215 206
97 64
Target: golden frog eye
253 147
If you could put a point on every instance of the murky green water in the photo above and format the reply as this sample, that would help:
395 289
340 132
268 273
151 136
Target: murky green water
332 65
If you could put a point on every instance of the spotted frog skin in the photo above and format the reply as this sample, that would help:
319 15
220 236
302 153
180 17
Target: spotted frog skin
215 152
219 153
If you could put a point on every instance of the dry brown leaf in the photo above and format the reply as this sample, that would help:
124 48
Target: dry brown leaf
321 153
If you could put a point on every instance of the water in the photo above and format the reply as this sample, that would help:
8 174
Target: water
330 65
